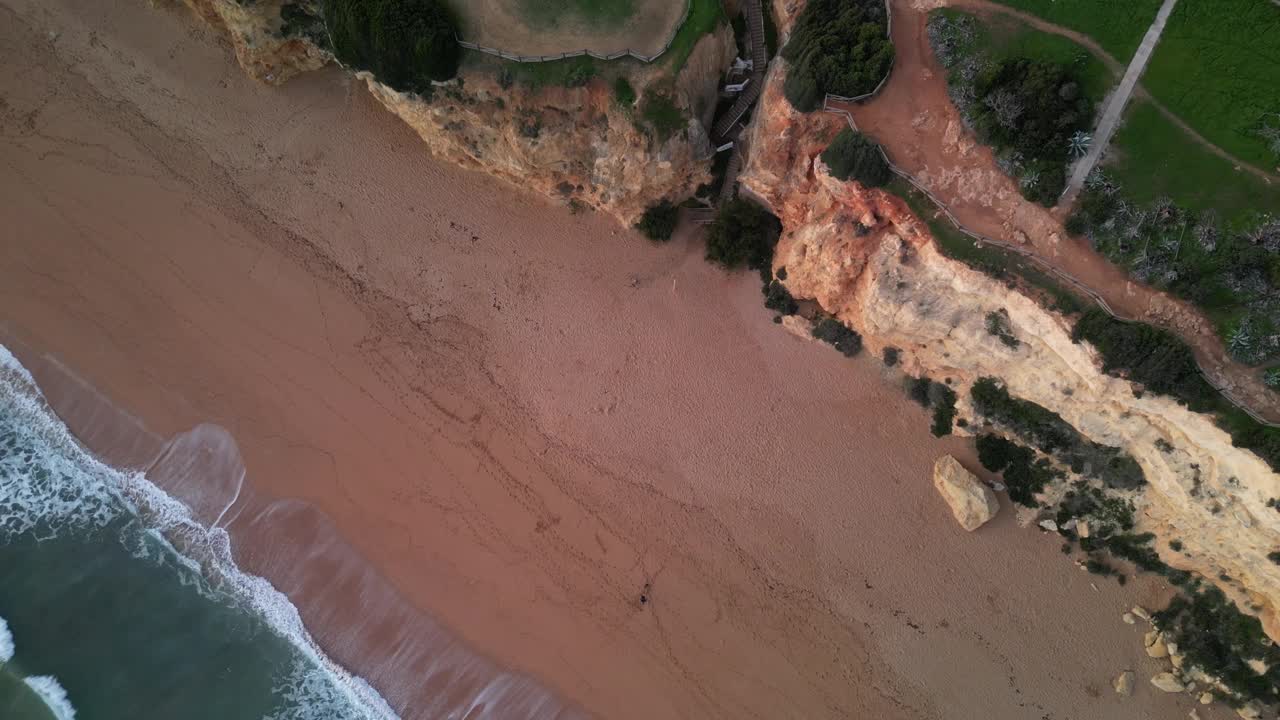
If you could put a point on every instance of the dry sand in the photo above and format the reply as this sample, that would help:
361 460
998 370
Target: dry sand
520 417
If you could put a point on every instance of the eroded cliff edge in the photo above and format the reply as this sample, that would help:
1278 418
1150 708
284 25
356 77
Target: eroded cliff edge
579 145
866 259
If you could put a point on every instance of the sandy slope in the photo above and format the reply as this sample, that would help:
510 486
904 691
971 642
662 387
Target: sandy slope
521 417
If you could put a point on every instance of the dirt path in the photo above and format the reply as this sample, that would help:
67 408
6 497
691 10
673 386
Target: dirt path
1114 110
988 7
915 121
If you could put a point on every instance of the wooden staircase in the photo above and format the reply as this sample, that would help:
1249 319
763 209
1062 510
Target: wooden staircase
759 61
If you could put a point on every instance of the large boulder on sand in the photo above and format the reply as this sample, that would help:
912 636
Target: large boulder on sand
971 502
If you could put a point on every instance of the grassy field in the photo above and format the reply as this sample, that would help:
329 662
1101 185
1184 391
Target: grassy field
1177 216
1153 158
1005 37
704 17
1117 25
551 13
1218 68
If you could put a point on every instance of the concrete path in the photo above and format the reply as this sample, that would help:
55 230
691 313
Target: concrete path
1114 110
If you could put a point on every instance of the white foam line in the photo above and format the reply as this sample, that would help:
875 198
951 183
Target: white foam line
7 360
53 695
6 642
170 516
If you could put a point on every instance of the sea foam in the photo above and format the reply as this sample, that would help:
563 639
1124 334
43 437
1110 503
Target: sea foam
6 642
50 484
51 692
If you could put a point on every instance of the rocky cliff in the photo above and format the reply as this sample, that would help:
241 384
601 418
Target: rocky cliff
867 260
578 145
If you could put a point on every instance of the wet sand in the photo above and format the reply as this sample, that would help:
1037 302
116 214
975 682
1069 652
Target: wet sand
519 417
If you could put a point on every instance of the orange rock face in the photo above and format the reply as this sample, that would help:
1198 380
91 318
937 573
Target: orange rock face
867 260
577 145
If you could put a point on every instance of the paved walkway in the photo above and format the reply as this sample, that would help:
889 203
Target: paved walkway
1114 111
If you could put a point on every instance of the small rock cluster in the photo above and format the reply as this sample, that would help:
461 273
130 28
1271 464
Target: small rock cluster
1179 678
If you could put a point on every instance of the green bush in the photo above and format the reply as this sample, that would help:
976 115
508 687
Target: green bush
1049 433
663 115
840 47
624 93
943 400
836 334
406 44
999 327
1214 635
1024 95
659 221
853 155
743 233
891 356
1162 363
918 390
778 298
1024 476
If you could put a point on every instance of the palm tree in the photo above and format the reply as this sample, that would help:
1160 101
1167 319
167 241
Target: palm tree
1080 143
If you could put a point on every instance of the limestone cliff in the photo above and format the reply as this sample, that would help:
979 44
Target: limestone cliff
259 35
864 257
578 145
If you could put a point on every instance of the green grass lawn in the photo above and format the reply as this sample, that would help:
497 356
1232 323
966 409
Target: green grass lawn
1150 159
1116 25
599 13
704 17
1153 158
1006 37
1218 68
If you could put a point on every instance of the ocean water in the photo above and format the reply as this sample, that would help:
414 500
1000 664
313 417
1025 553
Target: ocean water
101 615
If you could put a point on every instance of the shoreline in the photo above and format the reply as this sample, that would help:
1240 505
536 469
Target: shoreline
520 418
169 482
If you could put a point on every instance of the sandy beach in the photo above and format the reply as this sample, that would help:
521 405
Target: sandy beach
521 419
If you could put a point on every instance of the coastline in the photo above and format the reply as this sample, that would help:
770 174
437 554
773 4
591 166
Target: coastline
474 398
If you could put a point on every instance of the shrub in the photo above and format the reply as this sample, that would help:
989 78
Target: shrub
998 326
834 333
943 400
840 47
854 155
1049 433
1214 635
404 43
1164 364
663 115
1153 357
891 355
658 221
743 234
778 298
1023 475
623 92
918 390
1027 108
304 19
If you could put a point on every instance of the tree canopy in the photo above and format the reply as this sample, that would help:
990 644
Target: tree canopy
405 43
743 234
854 155
840 47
